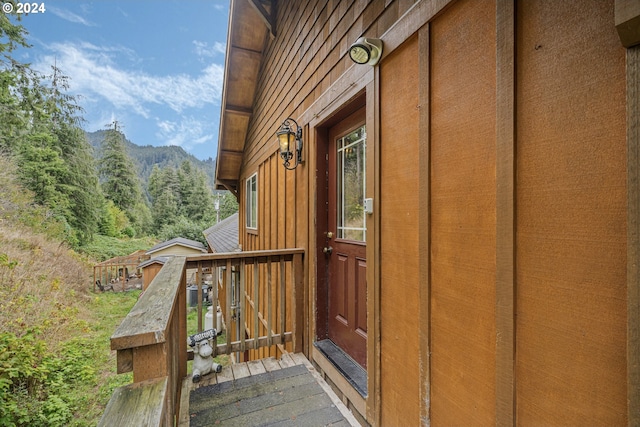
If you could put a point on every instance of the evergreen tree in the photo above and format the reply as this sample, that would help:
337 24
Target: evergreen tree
121 184
228 205
81 181
199 205
165 209
41 130
142 219
154 184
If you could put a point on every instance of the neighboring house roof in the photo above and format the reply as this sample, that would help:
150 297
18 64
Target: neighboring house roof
178 241
249 28
157 260
223 237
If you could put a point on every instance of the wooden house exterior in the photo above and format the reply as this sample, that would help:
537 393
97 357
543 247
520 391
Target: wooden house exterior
494 280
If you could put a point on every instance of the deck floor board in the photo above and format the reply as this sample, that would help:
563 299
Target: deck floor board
266 393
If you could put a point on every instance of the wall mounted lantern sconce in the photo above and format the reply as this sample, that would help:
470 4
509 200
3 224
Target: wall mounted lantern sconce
286 137
366 51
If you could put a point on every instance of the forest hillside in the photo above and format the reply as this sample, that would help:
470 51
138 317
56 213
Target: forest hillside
56 367
146 156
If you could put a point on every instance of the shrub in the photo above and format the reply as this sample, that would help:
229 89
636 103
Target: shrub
37 387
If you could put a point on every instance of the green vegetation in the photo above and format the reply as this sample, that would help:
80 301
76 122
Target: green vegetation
57 218
64 384
182 204
56 366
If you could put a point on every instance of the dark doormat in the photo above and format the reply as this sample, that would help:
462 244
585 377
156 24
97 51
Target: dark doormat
353 372
289 396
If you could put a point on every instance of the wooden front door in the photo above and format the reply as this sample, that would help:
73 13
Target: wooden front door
346 237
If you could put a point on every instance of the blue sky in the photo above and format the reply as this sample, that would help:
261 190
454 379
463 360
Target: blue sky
155 66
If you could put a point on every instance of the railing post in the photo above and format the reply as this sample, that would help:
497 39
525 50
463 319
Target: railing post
200 282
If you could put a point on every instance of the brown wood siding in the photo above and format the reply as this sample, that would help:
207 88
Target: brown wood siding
523 201
463 207
399 238
570 215
309 53
277 205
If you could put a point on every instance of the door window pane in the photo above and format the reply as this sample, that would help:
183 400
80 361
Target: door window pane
351 163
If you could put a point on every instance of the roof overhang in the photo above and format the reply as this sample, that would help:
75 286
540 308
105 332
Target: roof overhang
250 23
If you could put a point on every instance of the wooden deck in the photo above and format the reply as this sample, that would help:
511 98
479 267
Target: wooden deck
288 391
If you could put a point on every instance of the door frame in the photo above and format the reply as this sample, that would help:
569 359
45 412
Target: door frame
321 219
357 87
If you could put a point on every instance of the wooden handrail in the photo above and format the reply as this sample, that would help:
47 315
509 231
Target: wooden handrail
192 260
252 312
152 340
148 320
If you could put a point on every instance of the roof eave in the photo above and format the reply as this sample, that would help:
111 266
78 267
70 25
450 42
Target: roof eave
249 25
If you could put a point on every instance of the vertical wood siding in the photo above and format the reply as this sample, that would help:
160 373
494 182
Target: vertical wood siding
571 215
399 237
307 56
560 202
463 214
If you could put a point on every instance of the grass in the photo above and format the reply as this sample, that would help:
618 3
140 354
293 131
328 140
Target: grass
110 308
107 310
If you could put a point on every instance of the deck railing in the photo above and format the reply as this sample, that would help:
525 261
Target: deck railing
262 297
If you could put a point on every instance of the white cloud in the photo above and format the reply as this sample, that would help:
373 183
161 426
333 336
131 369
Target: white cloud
186 133
69 16
203 50
94 74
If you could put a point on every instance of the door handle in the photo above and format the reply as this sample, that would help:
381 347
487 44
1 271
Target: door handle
327 250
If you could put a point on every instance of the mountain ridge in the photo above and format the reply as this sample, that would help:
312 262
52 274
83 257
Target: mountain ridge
145 156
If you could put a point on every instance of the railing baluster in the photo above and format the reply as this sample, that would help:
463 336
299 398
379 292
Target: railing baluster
228 317
243 304
213 293
256 303
282 300
199 282
269 305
